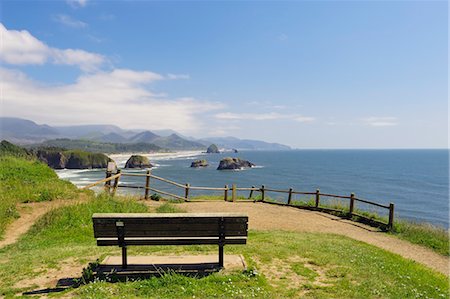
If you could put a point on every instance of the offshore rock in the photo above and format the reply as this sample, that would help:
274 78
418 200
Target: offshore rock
199 163
234 163
212 149
137 161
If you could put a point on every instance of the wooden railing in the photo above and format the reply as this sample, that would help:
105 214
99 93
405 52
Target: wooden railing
316 196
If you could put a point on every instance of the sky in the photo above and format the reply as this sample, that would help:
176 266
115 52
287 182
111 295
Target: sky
309 74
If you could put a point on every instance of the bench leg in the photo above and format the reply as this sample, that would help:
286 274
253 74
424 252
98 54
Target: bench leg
220 256
124 257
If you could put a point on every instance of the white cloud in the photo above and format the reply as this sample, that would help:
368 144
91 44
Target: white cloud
22 48
77 3
376 121
119 97
263 116
69 21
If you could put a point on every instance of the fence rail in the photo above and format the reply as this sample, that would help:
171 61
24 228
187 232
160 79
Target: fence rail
316 196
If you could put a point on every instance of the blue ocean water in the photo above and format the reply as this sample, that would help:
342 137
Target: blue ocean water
416 181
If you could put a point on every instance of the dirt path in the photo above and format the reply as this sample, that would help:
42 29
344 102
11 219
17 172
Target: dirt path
29 213
269 217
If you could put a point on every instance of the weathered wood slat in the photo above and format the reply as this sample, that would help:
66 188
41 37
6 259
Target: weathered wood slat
130 186
167 181
197 230
207 188
334 195
168 215
108 179
276 190
170 241
371 203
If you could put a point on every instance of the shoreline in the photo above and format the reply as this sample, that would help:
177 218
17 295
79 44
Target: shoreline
121 158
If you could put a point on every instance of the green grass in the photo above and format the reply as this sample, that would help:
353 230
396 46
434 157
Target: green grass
27 180
425 234
436 238
169 208
283 264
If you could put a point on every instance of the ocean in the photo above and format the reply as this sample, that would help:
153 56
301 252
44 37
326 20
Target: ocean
416 181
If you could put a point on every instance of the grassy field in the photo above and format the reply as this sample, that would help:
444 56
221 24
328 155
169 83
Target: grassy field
281 264
425 234
27 180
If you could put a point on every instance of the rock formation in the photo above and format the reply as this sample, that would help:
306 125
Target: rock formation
234 163
212 149
60 159
199 163
137 161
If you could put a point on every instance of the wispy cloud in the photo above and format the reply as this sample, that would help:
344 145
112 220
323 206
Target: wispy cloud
22 48
77 3
120 96
69 21
263 116
376 121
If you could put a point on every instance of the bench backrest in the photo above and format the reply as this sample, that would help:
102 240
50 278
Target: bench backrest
170 225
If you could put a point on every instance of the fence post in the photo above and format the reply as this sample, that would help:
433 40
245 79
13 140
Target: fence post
147 184
233 192
116 183
391 216
289 196
225 194
262 193
251 193
317 197
186 191
352 205
108 183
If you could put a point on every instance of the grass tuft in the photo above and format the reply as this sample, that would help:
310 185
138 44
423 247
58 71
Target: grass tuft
28 180
169 208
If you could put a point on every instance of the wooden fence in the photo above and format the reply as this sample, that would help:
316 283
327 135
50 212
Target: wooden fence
111 183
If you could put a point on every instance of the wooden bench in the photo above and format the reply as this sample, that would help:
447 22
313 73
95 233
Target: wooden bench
127 229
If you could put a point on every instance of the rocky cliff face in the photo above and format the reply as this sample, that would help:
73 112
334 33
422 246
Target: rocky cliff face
137 161
55 160
234 163
72 159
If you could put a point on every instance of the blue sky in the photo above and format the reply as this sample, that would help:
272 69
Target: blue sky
368 74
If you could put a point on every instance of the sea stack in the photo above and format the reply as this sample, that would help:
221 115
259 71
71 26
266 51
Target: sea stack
212 149
234 163
199 163
137 161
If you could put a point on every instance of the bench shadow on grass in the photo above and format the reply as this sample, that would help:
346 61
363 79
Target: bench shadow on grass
115 273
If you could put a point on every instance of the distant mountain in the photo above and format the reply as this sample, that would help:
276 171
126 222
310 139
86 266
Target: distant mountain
243 144
176 142
112 137
87 130
23 131
145 136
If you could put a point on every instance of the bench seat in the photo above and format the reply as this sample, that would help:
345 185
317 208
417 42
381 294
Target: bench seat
136 229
